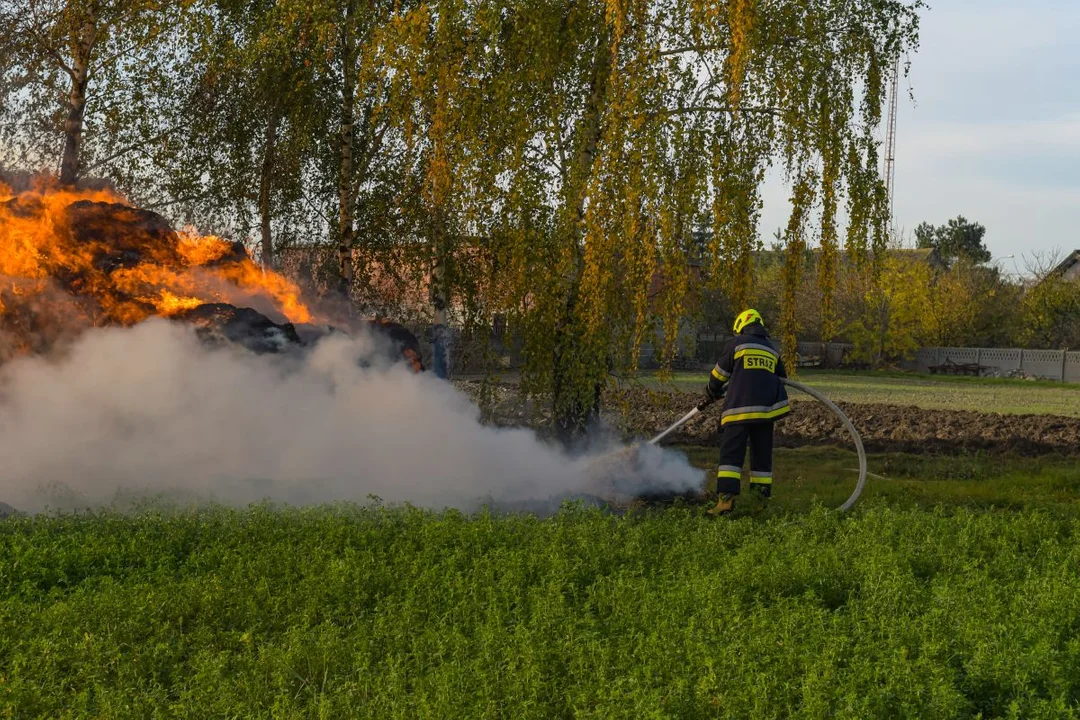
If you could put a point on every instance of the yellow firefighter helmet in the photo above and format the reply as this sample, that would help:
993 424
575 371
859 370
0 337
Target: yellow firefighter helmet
747 317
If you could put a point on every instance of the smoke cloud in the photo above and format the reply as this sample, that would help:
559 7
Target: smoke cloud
148 410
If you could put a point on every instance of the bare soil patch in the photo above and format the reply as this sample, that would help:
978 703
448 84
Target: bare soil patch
640 412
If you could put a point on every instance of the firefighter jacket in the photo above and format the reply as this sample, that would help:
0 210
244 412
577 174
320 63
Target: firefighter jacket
751 368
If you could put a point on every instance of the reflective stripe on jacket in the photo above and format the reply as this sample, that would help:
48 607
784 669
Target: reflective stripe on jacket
751 367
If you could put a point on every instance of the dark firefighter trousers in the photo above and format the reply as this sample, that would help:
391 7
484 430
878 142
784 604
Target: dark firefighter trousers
759 435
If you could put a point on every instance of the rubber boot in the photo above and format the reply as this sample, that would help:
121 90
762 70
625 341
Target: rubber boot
724 505
758 500
763 490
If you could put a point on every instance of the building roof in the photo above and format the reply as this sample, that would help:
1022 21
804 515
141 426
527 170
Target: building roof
1069 268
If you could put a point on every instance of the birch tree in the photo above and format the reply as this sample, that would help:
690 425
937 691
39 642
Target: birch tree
253 115
618 120
78 74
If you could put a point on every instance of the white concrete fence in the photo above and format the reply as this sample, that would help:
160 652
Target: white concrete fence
1046 364
1057 365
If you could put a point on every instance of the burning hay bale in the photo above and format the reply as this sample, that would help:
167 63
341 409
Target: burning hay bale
71 260
126 235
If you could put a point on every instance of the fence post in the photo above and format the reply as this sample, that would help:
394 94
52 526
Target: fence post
1064 359
1021 368
978 360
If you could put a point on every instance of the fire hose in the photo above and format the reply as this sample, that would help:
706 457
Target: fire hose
820 398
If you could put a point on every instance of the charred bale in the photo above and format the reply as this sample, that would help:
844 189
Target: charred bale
398 343
124 236
310 334
220 323
405 344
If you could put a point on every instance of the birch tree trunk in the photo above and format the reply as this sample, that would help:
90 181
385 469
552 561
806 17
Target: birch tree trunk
572 414
346 195
266 186
82 48
439 331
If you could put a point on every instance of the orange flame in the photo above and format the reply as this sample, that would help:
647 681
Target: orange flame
201 249
172 304
119 265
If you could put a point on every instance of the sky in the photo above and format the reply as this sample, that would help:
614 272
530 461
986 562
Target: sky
993 133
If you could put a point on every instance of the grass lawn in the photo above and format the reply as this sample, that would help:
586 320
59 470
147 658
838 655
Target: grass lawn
806 477
888 612
930 392
948 592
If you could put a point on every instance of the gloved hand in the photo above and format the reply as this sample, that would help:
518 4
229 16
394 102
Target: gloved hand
709 398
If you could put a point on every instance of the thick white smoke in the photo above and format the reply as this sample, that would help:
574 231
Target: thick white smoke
150 411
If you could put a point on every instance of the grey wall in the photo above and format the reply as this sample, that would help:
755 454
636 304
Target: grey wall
1050 364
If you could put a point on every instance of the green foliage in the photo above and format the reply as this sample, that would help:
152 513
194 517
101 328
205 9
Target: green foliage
893 313
402 613
256 95
967 304
98 78
972 305
957 239
1051 314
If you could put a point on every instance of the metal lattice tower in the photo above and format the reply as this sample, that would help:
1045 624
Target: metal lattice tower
890 141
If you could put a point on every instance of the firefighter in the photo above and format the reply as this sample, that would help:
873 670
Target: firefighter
747 377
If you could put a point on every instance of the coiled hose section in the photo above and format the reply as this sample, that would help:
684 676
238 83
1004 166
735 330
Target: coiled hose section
850 428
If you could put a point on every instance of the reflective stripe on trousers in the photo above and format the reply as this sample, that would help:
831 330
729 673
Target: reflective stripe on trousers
729 471
755 412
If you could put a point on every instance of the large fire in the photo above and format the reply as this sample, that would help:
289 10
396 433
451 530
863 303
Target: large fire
91 259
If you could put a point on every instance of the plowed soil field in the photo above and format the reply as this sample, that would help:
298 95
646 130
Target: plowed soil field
884 428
